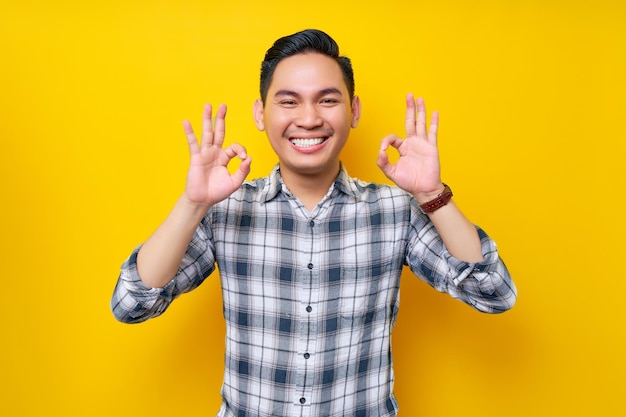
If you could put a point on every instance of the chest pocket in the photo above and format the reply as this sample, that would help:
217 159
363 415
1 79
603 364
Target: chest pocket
366 291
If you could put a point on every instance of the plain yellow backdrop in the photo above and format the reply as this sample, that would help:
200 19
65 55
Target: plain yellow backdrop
532 102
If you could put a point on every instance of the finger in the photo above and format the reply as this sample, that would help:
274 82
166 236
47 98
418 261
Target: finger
207 125
236 150
421 118
242 172
383 159
390 140
410 115
433 128
192 141
385 166
220 126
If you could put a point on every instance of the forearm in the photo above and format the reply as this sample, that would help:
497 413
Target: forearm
160 256
486 285
457 232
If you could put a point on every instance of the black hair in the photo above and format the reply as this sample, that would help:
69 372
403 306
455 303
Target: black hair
309 40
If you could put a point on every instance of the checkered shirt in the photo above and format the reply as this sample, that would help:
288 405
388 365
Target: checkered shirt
310 298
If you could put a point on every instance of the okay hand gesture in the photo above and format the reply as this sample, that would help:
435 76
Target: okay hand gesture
208 179
417 169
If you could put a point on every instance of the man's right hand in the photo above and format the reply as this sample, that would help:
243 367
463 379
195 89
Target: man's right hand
208 182
208 179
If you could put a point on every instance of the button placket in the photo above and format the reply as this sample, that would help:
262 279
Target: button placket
309 298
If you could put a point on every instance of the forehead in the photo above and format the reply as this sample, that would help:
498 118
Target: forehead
309 71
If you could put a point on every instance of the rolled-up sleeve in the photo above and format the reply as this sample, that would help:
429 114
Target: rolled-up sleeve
487 286
134 302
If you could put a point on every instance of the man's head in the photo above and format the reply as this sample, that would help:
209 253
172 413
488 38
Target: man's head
308 106
306 41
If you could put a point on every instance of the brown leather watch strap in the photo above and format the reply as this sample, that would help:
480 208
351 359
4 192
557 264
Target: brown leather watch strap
438 202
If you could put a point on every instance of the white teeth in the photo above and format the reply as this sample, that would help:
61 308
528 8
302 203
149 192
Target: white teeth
305 143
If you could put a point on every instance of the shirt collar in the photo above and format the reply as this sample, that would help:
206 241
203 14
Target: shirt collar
274 184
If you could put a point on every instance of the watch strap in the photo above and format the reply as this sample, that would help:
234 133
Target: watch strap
438 202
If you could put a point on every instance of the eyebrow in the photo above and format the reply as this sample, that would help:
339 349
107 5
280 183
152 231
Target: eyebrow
291 93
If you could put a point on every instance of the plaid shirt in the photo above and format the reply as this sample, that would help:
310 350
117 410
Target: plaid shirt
310 299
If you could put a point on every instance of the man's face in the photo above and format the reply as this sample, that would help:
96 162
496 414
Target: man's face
307 114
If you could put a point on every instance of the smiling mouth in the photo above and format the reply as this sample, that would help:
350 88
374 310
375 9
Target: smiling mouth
307 143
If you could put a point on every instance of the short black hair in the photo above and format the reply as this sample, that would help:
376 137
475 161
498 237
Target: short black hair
309 40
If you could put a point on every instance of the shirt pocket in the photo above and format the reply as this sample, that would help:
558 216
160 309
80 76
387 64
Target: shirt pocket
353 293
366 291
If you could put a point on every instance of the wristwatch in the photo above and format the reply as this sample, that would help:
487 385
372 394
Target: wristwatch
438 202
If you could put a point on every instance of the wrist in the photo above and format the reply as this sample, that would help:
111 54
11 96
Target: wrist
435 203
424 197
192 208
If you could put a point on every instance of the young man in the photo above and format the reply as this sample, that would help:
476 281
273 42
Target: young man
309 258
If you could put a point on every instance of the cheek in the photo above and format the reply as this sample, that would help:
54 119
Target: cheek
277 122
341 122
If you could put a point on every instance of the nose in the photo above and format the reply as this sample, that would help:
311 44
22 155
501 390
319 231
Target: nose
308 117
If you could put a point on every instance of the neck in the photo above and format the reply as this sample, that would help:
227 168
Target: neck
309 188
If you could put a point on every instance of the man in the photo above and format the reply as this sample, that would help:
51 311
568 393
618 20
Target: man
310 259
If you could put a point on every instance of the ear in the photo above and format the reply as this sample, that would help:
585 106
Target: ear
356 111
257 111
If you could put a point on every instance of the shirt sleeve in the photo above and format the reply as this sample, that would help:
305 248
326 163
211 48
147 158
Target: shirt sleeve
134 302
487 286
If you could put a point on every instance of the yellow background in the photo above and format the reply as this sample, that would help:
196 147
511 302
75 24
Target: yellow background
532 103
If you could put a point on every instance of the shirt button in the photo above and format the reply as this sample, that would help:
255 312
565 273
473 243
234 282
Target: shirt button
307 356
309 309
302 400
310 266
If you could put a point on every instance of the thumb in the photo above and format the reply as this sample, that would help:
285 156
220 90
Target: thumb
383 159
243 170
383 163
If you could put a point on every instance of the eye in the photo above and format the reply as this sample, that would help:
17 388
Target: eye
288 103
329 101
